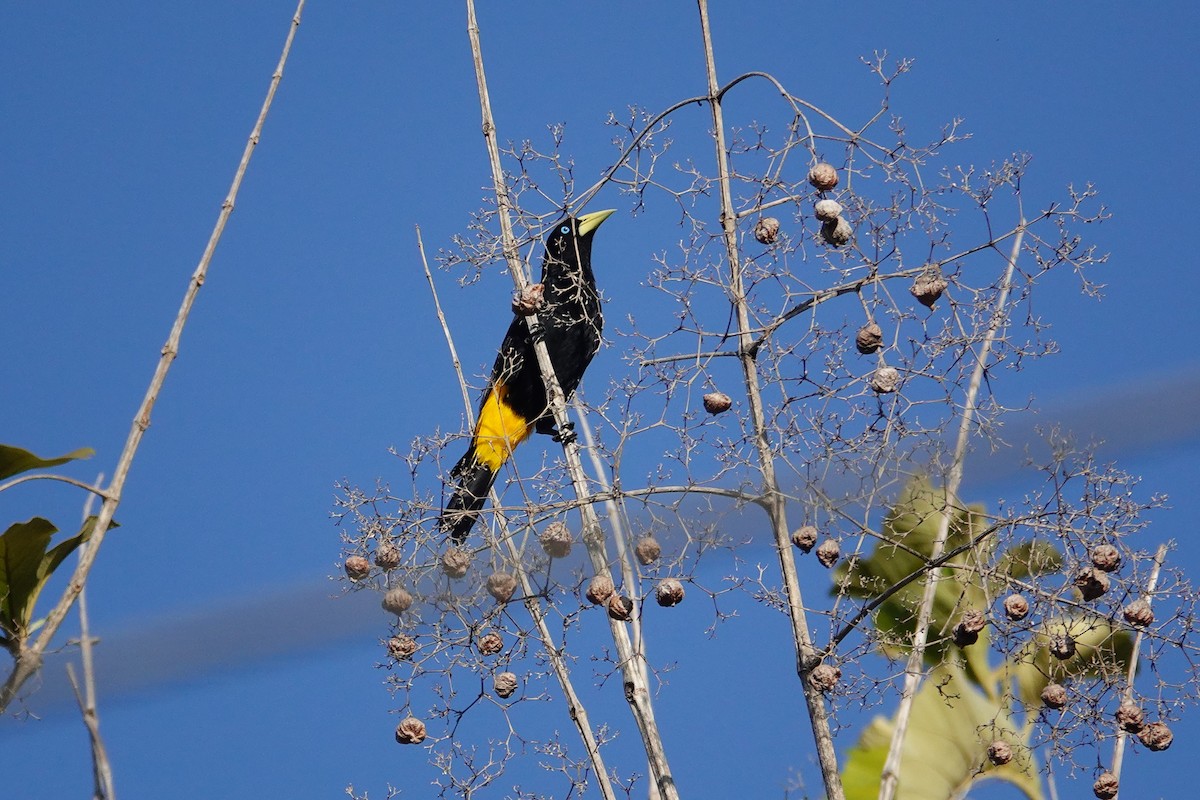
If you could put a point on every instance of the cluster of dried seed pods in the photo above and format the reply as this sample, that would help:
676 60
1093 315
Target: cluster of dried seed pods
717 402
401 646
387 556
501 586
529 302
929 285
556 540
648 551
410 731
805 538
868 339
357 568
397 601
969 626
456 562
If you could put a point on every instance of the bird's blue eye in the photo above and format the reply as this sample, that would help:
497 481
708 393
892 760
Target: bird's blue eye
565 229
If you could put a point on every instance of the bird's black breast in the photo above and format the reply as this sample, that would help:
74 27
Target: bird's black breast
570 320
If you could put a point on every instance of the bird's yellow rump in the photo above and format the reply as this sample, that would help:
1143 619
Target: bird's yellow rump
500 428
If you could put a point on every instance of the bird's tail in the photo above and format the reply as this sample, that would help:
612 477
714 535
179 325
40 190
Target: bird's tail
474 479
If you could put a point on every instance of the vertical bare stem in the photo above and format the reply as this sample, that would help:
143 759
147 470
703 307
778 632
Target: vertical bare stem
575 707
637 691
913 670
773 501
101 767
29 659
1119 747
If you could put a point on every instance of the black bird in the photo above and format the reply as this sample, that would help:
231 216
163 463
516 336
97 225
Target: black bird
514 403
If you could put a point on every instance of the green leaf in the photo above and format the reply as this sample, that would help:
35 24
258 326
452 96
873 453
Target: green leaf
944 754
905 545
1030 559
26 562
14 460
1100 649
22 549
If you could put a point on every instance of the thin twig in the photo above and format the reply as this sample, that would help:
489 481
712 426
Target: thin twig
637 691
575 708
1122 736
101 767
29 658
775 503
96 490
913 673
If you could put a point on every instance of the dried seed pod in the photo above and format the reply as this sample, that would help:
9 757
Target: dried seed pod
669 593
973 620
397 601
837 233
505 684
929 285
805 538
490 643
1130 716
387 556
1091 582
868 339
599 589
767 230
1106 786
827 210
823 176
825 677
501 586
410 731
530 301
1138 613
357 568
964 637
717 402
556 540
401 646
999 752
829 552
648 550
1054 695
456 562
1062 646
620 607
885 380
1156 736
1016 607
1106 557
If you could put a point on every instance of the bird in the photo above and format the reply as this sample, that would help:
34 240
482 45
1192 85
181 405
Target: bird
514 403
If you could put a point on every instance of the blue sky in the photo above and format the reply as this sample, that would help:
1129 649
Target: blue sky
313 346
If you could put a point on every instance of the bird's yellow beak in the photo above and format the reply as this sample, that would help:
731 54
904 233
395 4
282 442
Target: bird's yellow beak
589 222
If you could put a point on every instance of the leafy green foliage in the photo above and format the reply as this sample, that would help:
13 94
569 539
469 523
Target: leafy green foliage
14 460
944 753
26 562
905 546
965 703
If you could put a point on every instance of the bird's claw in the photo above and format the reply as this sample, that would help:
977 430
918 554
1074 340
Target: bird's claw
565 434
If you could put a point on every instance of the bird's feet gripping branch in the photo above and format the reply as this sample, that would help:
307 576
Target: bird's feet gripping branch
514 403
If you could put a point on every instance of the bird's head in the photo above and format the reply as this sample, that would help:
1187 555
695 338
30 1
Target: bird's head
573 235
